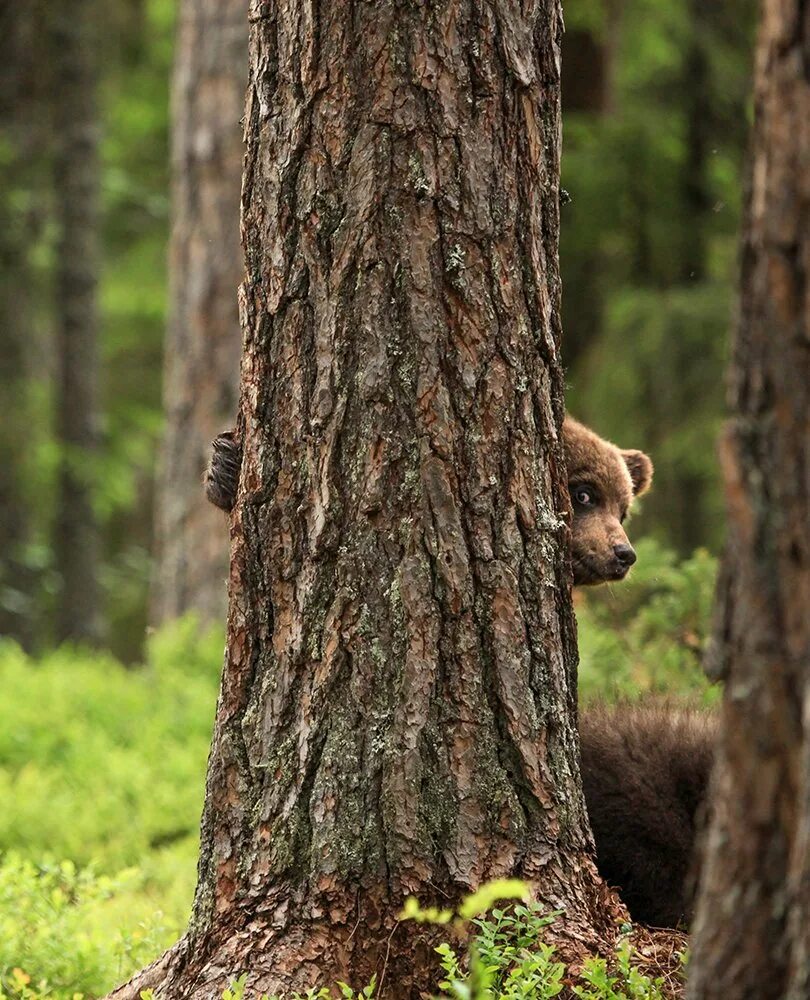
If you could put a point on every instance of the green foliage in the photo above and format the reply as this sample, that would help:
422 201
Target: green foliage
647 634
507 959
623 983
78 729
67 932
105 767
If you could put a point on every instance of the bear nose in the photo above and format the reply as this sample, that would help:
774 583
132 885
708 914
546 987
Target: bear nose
626 554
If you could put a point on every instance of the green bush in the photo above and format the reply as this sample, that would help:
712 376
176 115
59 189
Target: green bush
105 768
105 764
506 957
647 634
67 932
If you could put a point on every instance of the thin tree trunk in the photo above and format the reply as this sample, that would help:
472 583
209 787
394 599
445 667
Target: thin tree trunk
77 177
203 339
21 125
397 712
588 87
699 112
754 908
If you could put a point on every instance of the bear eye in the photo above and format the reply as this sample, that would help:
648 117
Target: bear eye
585 496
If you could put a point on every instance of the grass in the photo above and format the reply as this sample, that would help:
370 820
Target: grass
102 773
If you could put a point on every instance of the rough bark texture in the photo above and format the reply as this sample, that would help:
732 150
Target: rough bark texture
202 344
77 186
397 713
754 911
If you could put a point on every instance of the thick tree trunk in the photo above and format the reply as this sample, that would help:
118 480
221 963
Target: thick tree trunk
77 178
203 340
397 713
754 908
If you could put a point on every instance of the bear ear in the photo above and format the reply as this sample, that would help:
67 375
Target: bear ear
641 470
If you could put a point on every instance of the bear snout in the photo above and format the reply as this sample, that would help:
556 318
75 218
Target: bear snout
625 554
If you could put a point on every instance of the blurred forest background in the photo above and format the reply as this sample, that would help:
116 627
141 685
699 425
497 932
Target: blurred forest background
98 486
656 96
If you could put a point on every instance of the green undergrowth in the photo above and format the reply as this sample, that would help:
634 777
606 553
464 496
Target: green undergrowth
503 957
646 635
102 772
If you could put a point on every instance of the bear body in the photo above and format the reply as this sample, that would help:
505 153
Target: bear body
645 774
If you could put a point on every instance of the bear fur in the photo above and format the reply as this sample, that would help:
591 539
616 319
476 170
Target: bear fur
645 774
603 481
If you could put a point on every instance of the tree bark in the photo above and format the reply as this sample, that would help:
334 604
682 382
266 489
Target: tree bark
754 907
77 185
397 711
203 340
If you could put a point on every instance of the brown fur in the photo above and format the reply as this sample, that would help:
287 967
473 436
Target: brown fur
645 773
221 478
612 478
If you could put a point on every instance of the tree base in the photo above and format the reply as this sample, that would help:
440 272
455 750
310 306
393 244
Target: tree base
281 956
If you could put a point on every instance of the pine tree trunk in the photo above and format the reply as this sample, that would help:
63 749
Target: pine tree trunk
203 339
397 712
754 908
76 178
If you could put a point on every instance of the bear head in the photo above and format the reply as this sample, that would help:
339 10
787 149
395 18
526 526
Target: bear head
603 481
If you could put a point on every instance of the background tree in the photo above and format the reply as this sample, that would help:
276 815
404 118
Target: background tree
627 259
76 182
751 935
397 713
202 343
589 94
23 52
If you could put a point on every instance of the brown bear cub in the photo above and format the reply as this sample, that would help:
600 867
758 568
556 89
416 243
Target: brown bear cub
644 769
603 481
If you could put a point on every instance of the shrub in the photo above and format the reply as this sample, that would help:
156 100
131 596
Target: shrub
647 634
55 929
